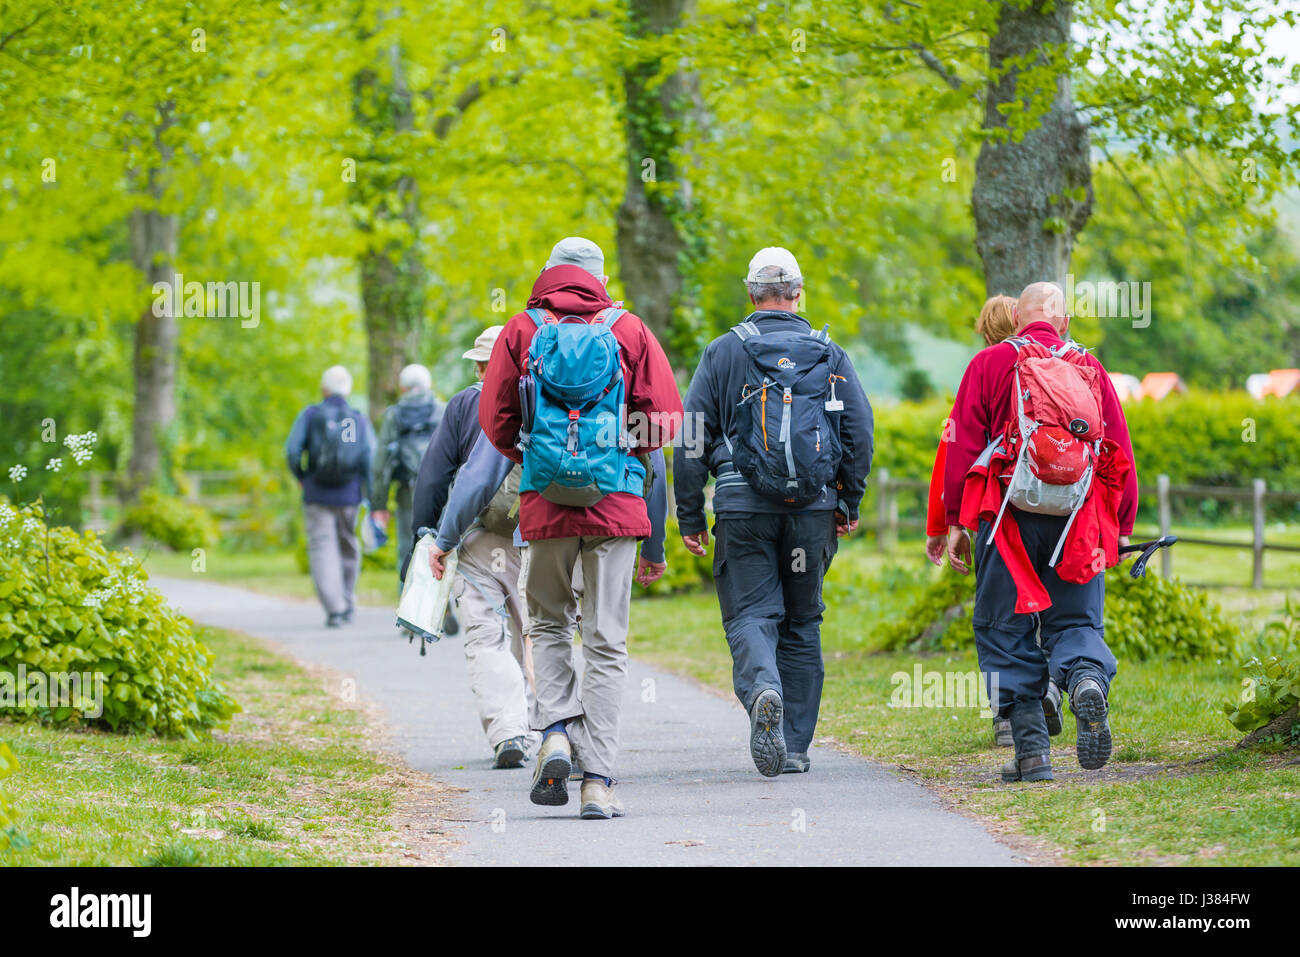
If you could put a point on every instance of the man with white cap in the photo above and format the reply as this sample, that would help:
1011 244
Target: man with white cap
405 431
338 444
787 430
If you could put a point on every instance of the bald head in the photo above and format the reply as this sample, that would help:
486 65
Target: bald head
1042 302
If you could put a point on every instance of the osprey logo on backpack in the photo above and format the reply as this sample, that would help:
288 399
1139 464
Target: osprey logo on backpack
573 397
787 421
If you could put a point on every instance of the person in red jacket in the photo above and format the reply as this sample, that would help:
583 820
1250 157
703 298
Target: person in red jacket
1010 640
581 724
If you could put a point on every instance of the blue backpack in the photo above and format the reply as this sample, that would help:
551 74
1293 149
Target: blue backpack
788 419
574 438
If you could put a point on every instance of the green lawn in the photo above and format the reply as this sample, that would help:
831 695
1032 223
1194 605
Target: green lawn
272 573
291 782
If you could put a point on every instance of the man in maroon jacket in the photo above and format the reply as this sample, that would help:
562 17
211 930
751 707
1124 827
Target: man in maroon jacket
1070 633
581 724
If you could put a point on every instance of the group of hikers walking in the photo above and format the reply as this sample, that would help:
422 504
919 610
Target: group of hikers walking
547 478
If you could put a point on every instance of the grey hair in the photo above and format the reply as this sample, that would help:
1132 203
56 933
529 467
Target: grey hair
766 290
414 377
336 380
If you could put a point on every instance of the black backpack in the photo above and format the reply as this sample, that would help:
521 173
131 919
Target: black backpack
788 420
416 423
337 452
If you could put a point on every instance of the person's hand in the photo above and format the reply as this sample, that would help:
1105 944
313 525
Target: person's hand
648 572
436 563
380 518
1124 541
935 546
958 549
697 544
843 526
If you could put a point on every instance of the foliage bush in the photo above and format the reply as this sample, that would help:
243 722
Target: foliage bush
1148 617
178 524
1270 688
68 605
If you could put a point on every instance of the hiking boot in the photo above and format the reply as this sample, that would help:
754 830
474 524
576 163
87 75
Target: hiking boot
1029 729
551 776
348 614
766 739
796 762
334 620
599 802
1052 708
1088 702
510 753
1002 737
1036 767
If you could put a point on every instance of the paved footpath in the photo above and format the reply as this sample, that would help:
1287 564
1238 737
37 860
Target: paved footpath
692 794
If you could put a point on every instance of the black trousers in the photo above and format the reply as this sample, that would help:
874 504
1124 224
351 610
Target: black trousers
769 570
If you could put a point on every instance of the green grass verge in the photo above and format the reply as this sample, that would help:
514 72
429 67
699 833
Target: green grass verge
291 782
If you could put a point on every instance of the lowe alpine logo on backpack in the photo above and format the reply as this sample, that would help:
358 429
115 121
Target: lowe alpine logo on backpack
572 401
1058 426
788 420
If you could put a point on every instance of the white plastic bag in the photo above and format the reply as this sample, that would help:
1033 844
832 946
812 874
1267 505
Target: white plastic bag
422 609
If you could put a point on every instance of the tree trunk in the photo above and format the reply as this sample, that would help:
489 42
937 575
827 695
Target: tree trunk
153 251
656 239
392 271
1032 197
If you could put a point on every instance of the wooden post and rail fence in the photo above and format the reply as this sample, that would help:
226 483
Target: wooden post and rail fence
102 504
888 523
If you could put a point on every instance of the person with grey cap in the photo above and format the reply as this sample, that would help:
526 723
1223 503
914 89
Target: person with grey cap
337 443
405 431
787 431
581 720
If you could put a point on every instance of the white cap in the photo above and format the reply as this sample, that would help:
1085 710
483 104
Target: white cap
576 251
414 376
777 256
482 350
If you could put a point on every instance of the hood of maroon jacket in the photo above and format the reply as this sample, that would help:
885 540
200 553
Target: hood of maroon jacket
983 407
649 390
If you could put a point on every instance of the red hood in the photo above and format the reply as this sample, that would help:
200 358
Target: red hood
569 290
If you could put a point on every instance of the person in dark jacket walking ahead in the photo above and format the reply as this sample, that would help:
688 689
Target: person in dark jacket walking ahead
784 425
338 443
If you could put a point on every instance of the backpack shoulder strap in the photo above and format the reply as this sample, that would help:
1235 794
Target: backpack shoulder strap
609 316
541 316
745 330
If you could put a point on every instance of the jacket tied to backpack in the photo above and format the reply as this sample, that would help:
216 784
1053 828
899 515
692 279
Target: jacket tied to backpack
1052 458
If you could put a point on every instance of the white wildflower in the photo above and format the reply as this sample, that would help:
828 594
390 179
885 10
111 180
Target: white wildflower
17 473
54 465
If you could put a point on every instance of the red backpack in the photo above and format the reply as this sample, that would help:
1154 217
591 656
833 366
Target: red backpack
1055 433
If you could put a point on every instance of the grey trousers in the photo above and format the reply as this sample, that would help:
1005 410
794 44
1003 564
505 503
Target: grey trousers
402 513
334 554
594 711
492 615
